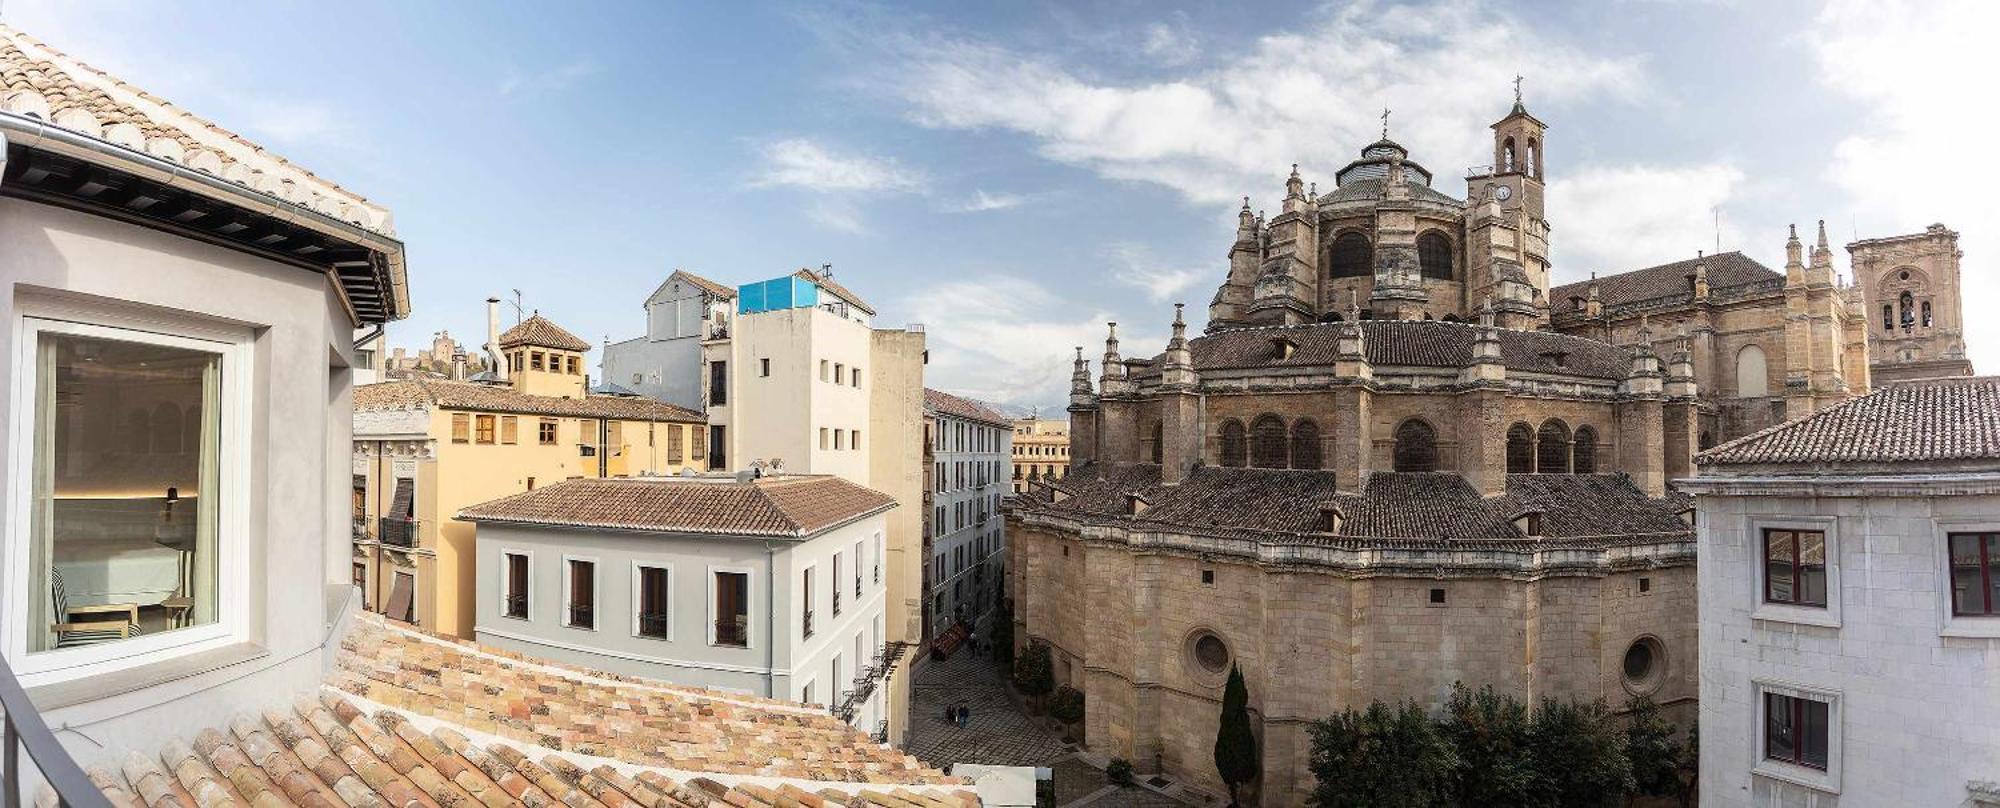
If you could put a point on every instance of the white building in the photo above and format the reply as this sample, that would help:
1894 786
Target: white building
179 312
771 586
665 362
1850 604
969 450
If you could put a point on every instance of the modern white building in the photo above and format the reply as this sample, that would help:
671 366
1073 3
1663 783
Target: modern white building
1850 604
968 449
665 362
179 311
772 586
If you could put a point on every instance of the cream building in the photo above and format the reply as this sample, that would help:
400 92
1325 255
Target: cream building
1041 451
1849 578
966 448
798 380
425 448
1909 289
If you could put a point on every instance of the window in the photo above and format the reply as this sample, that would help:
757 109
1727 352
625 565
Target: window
514 585
1797 730
1520 449
1584 449
1552 448
839 438
676 445
1305 444
1416 447
857 570
857 371
806 603
839 372
718 383
806 694
1351 256
1437 597
824 369
833 583
763 367
1795 567
732 609
1752 373
510 430
878 558
575 366
545 432
823 443
854 439
1434 256
1644 666
482 429
1267 442
652 596
1975 583
127 428
580 593
461 427
1235 444
1210 652
717 453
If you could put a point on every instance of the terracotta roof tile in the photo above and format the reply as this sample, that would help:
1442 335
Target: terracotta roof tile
939 401
450 395
1725 271
771 506
1423 343
718 289
1955 420
541 332
826 282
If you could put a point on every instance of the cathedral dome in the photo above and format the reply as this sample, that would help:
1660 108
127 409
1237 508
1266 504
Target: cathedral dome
1374 165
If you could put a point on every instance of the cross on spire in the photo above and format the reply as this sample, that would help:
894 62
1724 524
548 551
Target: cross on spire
1517 87
1385 123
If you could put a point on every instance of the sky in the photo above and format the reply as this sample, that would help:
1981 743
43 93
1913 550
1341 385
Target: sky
1015 176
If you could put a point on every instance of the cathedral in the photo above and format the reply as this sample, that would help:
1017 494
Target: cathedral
1398 459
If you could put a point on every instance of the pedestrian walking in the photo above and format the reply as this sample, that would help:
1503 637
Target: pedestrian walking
964 716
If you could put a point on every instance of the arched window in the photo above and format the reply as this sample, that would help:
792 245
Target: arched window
1752 377
1305 444
1520 449
1416 446
1927 314
1584 450
1707 440
1552 448
1888 318
1452 318
1434 255
1267 442
1533 165
1507 156
1903 314
1351 257
1159 450
1234 444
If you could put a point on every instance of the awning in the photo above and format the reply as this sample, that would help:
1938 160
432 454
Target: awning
401 595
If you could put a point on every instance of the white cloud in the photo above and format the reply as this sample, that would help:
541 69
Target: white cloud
1005 339
802 163
552 79
1922 152
1213 133
838 214
1170 45
981 201
1628 217
1136 265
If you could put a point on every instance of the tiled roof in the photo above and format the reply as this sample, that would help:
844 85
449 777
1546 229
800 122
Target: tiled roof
540 332
452 395
1938 420
1423 343
41 82
1371 189
1391 505
417 721
770 506
709 286
939 401
826 282
1725 270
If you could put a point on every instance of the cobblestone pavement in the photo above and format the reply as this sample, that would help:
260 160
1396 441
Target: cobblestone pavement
998 733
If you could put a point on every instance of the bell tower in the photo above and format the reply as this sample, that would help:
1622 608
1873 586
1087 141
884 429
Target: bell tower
1518 140
1505 228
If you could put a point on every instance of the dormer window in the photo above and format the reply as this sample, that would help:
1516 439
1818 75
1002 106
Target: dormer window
1529 523
1557 358
1331 518
1282 348
1135 504
1576 303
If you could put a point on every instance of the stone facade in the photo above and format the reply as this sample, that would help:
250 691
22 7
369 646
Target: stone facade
1910 299
1041 450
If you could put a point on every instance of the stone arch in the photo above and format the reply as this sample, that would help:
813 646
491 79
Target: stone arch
1331 317
1583 451
1520 449
1507 156
1533 164
1305 445
1416 446
1753 376
1552 447
1452 318
1351 255
1434 256
1155 437
1235 444
1268 444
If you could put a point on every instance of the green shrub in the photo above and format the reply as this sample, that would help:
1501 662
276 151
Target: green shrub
1067 705
1119 772
1382 758
1235 743
1034 673
1579 755
1490 734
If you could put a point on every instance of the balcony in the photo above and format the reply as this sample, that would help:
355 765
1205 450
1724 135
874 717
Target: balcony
25 730
806 624
582 615
361 524
653 624
733 631
397 531
517 606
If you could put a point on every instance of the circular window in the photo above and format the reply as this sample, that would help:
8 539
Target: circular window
1645 661
1904 276
1211 653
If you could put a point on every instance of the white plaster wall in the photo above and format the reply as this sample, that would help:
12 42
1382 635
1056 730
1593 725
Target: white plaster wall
1920 712
299 447
945 540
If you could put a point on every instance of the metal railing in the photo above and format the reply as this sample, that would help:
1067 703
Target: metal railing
806 622
25 729
653 624
732 631
582 616
398 531
517 606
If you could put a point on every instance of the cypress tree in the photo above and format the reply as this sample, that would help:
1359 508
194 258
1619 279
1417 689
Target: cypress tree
1235 744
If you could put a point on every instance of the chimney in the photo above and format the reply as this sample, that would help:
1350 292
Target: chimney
458 365
493 339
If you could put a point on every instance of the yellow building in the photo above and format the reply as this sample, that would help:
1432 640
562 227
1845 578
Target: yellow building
1041 451
425 448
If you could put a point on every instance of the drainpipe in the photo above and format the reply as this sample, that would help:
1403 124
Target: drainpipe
770 621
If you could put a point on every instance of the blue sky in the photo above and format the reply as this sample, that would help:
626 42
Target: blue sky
1015 176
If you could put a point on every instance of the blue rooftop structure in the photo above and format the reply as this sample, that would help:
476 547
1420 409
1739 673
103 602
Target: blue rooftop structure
788 292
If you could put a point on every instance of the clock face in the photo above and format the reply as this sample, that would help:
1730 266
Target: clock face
1503 193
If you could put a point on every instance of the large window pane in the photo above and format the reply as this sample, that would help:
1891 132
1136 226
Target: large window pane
1813 735
124 524
1966 577
732 609
1812 568
1778 566
1780 734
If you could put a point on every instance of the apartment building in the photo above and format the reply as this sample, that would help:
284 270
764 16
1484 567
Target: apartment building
665 362
771 585
967 455
425 448
1849 569
1041 451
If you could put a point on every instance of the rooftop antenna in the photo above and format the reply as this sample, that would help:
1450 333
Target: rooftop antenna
517 307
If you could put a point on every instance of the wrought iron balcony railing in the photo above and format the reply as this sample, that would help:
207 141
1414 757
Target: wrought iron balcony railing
732 631
25 729
398 531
